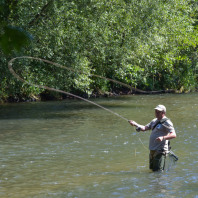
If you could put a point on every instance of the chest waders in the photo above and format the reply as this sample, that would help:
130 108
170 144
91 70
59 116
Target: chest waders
157 158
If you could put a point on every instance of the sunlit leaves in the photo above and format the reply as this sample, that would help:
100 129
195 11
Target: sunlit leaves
147 44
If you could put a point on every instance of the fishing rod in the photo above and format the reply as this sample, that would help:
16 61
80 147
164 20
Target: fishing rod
64 92
61 91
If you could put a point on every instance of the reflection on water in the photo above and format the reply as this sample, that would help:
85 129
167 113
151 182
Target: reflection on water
74 149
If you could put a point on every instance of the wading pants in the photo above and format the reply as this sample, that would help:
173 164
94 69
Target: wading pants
157 160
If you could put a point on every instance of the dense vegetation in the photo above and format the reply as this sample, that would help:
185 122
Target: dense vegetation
148 44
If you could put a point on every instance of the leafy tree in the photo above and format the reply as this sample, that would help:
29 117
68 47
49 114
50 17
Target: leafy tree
150 45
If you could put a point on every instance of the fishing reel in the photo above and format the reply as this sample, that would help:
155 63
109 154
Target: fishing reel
138 129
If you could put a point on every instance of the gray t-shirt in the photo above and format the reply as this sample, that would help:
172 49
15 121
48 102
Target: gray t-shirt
159 130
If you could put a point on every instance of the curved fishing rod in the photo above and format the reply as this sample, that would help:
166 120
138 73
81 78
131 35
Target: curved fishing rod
57 90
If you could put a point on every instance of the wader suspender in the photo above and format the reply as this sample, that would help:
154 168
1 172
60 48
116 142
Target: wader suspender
162 122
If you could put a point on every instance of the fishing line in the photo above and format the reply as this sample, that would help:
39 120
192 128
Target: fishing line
64 92
61 91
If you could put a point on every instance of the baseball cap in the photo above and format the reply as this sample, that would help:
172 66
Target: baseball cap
160 108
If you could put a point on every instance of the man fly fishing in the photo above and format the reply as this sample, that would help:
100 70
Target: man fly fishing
162 131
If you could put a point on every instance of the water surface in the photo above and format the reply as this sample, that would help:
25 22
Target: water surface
75 149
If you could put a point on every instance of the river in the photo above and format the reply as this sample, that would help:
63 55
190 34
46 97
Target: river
73 149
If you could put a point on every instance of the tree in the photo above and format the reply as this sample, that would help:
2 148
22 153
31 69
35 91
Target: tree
149 45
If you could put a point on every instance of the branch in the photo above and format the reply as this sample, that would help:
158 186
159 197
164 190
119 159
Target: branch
43 10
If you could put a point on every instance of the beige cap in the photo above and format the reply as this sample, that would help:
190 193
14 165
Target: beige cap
160 108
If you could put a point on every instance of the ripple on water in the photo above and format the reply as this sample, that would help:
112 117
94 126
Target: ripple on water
80 154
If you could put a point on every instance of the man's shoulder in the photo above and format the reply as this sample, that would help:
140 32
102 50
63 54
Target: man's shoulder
153 123
154 120
167 123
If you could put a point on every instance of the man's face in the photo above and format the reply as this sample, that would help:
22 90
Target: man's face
159 114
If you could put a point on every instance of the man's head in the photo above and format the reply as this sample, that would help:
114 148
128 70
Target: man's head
160 111
161 108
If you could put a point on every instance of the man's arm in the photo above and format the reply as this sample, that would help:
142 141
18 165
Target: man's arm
169 136
139 127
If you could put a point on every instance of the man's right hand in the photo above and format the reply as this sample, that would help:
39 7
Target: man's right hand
133 123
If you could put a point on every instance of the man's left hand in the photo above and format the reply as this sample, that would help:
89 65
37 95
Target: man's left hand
160 139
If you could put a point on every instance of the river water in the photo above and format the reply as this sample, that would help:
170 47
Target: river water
74 149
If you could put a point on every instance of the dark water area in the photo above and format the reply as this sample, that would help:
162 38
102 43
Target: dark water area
74 149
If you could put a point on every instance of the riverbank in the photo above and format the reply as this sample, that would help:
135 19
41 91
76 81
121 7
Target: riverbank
54 96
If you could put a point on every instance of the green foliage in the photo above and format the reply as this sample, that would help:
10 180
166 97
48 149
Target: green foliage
148 44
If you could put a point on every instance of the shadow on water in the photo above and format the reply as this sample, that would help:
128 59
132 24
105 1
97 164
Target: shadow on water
61 109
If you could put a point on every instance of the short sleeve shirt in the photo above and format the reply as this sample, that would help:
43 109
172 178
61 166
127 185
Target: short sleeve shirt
159 130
